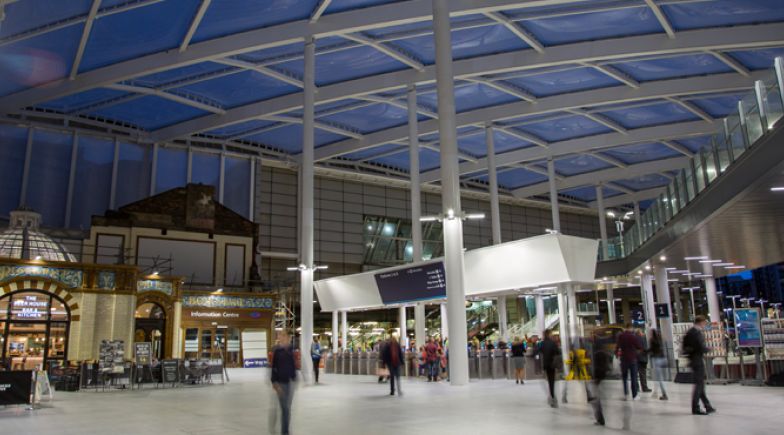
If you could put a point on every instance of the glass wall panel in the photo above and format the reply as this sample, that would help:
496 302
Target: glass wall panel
206 170
13 146
773 105
93 181
710 165
236 192
49 173
133 173
172 169
753 120
699 176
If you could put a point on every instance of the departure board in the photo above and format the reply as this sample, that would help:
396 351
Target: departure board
415 283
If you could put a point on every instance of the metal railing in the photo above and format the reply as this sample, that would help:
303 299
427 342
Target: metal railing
757 113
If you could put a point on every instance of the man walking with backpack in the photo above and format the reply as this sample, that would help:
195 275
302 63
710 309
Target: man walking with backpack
695 349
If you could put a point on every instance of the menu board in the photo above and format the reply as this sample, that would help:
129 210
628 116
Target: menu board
143 353
15 387
111 356
417 283
747 327
169 369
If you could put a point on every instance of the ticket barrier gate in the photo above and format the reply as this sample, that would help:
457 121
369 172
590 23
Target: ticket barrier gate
346 363
498 364
362 359
483 366
372 363
473 364
354 364
329 363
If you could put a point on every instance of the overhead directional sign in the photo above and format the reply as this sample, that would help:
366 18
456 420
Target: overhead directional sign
416 283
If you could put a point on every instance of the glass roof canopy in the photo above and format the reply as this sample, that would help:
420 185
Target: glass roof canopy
603 86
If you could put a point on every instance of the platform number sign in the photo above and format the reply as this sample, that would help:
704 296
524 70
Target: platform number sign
662 311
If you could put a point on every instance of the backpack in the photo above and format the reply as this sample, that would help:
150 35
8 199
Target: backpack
687 345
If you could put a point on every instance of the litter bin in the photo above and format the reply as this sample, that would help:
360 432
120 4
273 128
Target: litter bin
498 366
473 365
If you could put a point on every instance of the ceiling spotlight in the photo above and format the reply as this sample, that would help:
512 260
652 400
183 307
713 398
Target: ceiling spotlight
721 264
610 213
428 219
777 189
663 258
647 267
710 261
670 269
639 272
37 258
474 216
704 257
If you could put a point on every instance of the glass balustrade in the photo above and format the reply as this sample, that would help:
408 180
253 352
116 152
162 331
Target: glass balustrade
759 111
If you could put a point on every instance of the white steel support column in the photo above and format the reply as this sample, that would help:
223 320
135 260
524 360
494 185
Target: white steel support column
562 315
611 319
344 329
571 297
553 195
306 217
450 196
154 169
663 296
222 177
540 314
713 300
252 195
638 221
189 166
26 168
602 221
445 323
646 286
115 170
335 332
401 318
495 222
416 204
71 179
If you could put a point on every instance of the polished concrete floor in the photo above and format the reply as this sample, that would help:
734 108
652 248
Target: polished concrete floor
358 405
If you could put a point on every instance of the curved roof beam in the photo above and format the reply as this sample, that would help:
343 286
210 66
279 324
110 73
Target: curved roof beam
739 37
558 103
584 144
612 174
253 40
629 198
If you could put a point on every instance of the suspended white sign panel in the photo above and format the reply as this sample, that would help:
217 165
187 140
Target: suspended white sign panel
528 263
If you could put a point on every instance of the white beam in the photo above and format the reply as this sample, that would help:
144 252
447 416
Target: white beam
319 10
523 136
609 159
168 96
517 29
554 104
88 27
399 104
691 107
605 121
269 72
194 24
332 128
678 147
738 37
629 198
618 187
614 73
389 51
730 62
665 23
591 178
505 88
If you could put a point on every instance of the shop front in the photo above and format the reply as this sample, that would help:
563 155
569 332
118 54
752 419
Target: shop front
34 329
235 327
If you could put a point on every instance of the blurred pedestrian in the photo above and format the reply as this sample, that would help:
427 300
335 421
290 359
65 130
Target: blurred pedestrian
393 356
642 362
283 375
659 361
602 364
695 349
315 355
431 352
628 347
518 360
549 352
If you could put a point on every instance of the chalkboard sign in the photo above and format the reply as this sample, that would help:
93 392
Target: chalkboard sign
15 387
170 370
143 353
416 283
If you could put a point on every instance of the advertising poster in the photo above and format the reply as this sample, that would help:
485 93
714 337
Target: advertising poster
747 327
15 387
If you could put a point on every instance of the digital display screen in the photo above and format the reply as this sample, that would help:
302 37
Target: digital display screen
412 284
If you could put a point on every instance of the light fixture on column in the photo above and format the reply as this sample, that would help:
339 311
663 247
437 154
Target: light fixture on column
704 257
550 231
662 258
302 267
450 215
